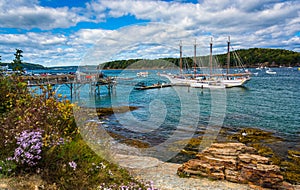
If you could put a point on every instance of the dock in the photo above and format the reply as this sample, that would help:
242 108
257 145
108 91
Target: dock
152 86
73 81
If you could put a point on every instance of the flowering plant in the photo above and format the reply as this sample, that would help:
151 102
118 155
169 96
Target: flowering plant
29 148
73 165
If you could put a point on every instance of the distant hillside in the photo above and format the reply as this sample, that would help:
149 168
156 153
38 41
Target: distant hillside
250 57
28 66
63 68
138 64
269 57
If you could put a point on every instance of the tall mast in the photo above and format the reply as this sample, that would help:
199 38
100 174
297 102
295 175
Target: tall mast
228 55
210 58
180 59
195 63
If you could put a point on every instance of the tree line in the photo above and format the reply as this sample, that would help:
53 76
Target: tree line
252 57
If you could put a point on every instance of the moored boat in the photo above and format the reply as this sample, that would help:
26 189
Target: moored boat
153 86
228 79
208 84
271 72
142 74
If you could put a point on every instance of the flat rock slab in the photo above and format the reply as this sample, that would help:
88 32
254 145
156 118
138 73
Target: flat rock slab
164 176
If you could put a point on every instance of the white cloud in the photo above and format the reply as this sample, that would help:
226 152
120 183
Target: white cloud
255 23
88 36
41 48
24 14
38 17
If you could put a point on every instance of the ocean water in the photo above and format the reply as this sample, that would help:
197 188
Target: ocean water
268 102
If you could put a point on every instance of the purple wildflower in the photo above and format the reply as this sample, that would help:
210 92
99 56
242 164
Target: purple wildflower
73 165
30 148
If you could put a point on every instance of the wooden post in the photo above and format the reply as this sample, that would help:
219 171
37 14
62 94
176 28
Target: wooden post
71 90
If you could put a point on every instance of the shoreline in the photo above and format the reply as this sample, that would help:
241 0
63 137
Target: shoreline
261 138
164 176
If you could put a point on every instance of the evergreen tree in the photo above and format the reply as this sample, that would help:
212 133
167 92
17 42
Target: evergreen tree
16 64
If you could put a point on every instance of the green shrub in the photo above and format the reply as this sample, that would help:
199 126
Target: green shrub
29 121
90 170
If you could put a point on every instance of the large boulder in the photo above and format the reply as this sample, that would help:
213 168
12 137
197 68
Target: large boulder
234 162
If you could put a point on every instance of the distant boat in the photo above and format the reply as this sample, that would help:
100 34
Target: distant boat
270 72
142 74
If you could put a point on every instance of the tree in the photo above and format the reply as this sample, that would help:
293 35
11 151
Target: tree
16 65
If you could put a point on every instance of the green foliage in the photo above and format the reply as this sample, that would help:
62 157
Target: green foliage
11 89
91 170
43 111
7 168
67 162
16 64
269 57
162 63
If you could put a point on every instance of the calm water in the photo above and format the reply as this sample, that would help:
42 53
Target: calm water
269 102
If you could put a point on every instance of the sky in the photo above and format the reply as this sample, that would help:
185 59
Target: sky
90 32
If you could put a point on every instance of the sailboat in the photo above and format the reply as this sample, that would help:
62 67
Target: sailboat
196 80
210 80
206 80
235 79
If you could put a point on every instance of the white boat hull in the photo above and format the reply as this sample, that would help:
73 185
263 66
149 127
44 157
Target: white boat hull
271 72
235 82
227 83
211 85
178 81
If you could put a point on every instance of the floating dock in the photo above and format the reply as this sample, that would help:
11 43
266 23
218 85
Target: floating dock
152 86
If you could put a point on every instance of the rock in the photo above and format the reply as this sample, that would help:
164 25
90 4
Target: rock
234 162
252 158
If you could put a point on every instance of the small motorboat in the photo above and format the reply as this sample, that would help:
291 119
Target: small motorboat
270 72
142 74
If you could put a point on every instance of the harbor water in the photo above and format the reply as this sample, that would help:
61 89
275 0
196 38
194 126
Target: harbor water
268 102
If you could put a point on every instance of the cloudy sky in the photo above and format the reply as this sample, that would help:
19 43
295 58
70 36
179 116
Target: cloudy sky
79 32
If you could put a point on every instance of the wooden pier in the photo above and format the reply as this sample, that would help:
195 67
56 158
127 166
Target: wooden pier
73 82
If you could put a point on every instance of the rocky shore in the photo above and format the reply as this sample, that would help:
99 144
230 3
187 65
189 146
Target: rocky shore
244 160
235 162
222 166
164 176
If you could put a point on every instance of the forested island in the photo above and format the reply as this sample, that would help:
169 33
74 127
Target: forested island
252 57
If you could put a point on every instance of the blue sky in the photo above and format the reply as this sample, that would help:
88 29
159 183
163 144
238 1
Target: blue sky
73 32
